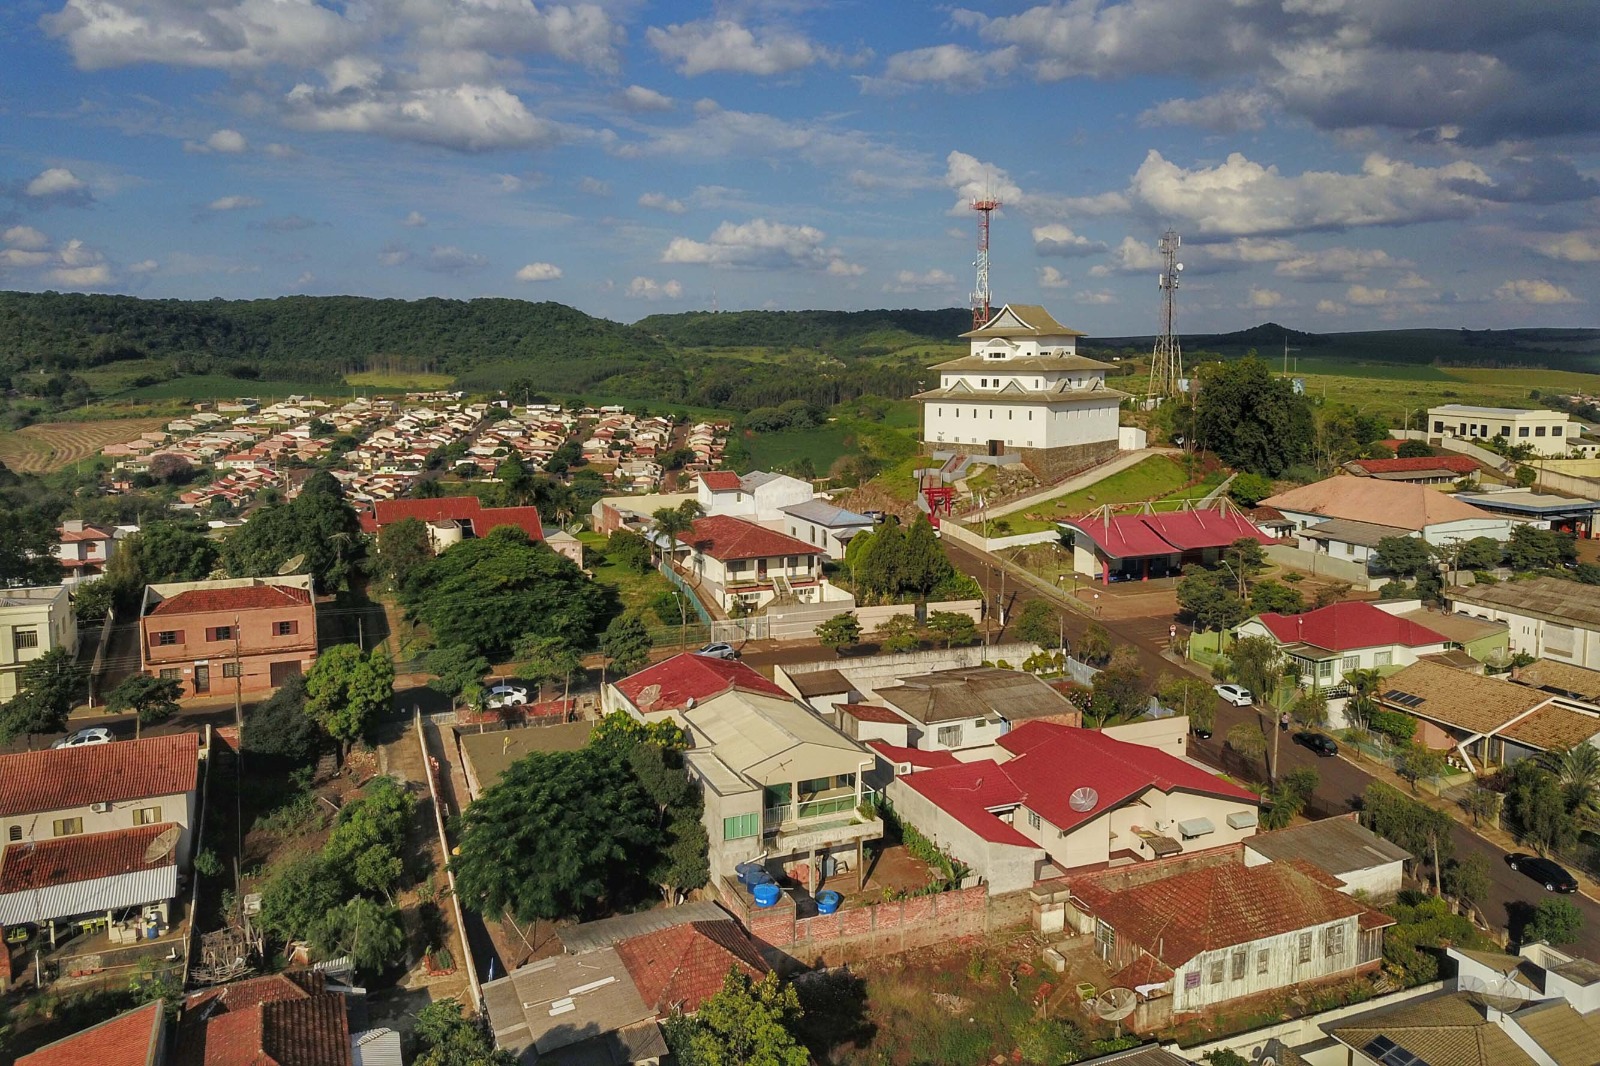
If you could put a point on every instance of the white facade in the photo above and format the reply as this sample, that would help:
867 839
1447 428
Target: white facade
1023 385
1574 641
1267 965
760 497
32 622
1549 432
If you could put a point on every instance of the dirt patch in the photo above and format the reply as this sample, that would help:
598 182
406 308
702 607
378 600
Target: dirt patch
47 446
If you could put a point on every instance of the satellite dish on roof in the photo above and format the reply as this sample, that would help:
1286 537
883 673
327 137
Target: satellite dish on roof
291 565
163 844
1083 799
1115 1004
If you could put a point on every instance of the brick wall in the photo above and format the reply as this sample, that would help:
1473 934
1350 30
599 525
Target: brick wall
1053 464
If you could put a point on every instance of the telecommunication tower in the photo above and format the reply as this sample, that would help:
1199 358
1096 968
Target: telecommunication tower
980 295
1166 367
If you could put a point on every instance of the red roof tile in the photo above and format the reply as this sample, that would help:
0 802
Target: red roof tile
724 537
866 712
671 683
1456 464
246 598
59 778
970 793
1346 626
1130 536
922 760
130 1039
282 1020
1212 907
682 967
468 509
84 857
1141 972
88 532
720 480
1122 536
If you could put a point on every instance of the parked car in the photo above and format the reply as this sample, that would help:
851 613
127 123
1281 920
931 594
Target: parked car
1552 875
84 737
505 696
719 650
1201 732
1237 695
1320 743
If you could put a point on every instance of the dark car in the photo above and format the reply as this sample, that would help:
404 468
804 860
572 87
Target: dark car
1324 746
1201 732
1551 875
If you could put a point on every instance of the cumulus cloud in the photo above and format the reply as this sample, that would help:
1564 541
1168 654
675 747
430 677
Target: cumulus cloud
726 46
1337 264
24 237
539 272
1265 298
1130 257
973 179
911 281
233 203
659 201
1060 240
468 118
1051 278
226 142
281 151
649 289
59 185
759 244
594 186
144 266
948 65
414 220
287 224
1534 291
1577 247
394 254
1331 307
639 98
1226 112
221 35
448 259
73 265
1095 299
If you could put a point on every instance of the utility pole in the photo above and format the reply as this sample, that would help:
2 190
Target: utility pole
1166 366
238 679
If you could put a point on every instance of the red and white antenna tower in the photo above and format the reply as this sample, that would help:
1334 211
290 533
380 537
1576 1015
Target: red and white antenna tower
980 295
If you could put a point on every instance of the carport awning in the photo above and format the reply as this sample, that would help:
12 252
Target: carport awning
1196 827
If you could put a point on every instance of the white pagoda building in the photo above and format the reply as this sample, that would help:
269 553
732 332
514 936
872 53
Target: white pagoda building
1024 390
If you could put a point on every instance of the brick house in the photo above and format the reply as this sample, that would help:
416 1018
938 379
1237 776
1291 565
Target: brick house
205 634
133 1038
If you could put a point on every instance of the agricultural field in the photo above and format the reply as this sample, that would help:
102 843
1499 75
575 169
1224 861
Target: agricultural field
49 446
399 380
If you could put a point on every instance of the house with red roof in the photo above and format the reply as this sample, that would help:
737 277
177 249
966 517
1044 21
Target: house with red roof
285 1019
1323 646
451 519
98 831
229 636
1418 470
678 684
1189 933
735 561
1062 798
1137 547
136 1037
85 548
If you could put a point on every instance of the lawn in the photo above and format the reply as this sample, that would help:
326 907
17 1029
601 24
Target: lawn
822 445
634 590
1149 479
403 379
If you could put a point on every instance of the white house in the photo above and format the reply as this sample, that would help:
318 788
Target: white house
1022 388
1548 618
1549 432
32 622
1324 645
84 549
758 496
1341 847
826 525
736 561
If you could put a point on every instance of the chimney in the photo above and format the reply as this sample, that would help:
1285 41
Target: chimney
73 525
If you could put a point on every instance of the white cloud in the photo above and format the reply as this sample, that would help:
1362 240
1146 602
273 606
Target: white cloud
1570 247
226 142
57 182
233 203
758 244
144 266
1413 281
639 98
650 289
220 35
1051 278
1365 296
594 186
81 277
1130 257
581 33
468 118
26 238
1330 307
1535 291
281 151
539 272
1240 198
306 278
1098 299
1224 112
841 268
1265 298
973 179
1337 264
393 254
1246 250
659 201
949 65
1059 240
911 281
726 46
448 259
415 220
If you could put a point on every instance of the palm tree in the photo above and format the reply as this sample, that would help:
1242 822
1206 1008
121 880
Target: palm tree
673 522
1577 771
1363 692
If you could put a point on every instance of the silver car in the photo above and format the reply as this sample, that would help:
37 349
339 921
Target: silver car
1237 695
84 737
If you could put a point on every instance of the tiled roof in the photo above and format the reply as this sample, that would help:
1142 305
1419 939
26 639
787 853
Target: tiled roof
245 598
682 967
970 793
1212 907
58 778
1447 1030
1130 536
1347 626
1141 972
866 712
1577 681
1456 464
1470 702
724 537
720 480
282 1020
671 683
468 509
71 536
1366 499
130 1039
922 760
1554 728
84 857
1031 320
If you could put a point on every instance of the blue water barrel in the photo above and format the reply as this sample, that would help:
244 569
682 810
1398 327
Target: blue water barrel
766 893
759 877
746 870
827 901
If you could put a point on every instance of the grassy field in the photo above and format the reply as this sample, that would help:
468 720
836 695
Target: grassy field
227 387
405 380
634 589
1543 380
47 446
1149 479
821 444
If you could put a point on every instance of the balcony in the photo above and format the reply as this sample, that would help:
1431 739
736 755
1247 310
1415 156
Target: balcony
822 820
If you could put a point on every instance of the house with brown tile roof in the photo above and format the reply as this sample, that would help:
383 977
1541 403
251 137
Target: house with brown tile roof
734 560
133 1038
1549 617
289 1019
246 635
679 968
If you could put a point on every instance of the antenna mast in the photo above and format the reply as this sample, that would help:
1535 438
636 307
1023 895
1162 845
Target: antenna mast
1166 367
980 295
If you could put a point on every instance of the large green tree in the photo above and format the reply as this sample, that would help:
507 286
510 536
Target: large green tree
1252 418
1209 601
28 541
317 525
151 699
347 689
367 932
457 671
626 644
171 551
402 547
747 1023
281 727
447 1037
839 632
46 688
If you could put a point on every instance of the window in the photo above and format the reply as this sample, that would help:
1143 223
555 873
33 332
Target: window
740 826
1383 658
1349 663
231 670
1333 941
1305 947
14 833
1239 957
1555 431
285 629
146 815
950 736
1215 976
24 638
166 638
1538 431
171 673
220 633
67 827
1033 820
1263 961
1522 431
1325 670
1505 431
1438 427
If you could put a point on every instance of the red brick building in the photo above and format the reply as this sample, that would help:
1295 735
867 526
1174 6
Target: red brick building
205 634
451 519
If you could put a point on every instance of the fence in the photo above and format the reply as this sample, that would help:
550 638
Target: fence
700 609
97 669
432 767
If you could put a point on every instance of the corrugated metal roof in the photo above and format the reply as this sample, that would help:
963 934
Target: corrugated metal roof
1335 845
101 894
770 740
376 1047
592 936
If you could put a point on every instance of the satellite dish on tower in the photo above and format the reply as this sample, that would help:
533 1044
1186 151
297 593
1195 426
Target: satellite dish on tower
291 565
1083 799
1115 1004
163 844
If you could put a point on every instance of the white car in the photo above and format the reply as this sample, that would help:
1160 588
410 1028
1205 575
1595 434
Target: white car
505 696
1237 695
84 737
719 650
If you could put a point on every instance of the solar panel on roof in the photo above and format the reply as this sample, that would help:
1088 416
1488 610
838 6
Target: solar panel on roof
1393 693
1389 1053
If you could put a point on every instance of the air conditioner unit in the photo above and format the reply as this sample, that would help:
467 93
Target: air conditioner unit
100 808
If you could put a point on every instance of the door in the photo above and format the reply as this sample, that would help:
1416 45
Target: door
202 680
997 447
280 673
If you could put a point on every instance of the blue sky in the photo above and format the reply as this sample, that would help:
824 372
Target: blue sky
1331 164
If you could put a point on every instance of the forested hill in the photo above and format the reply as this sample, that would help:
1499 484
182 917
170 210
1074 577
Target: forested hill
319 338
841 333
